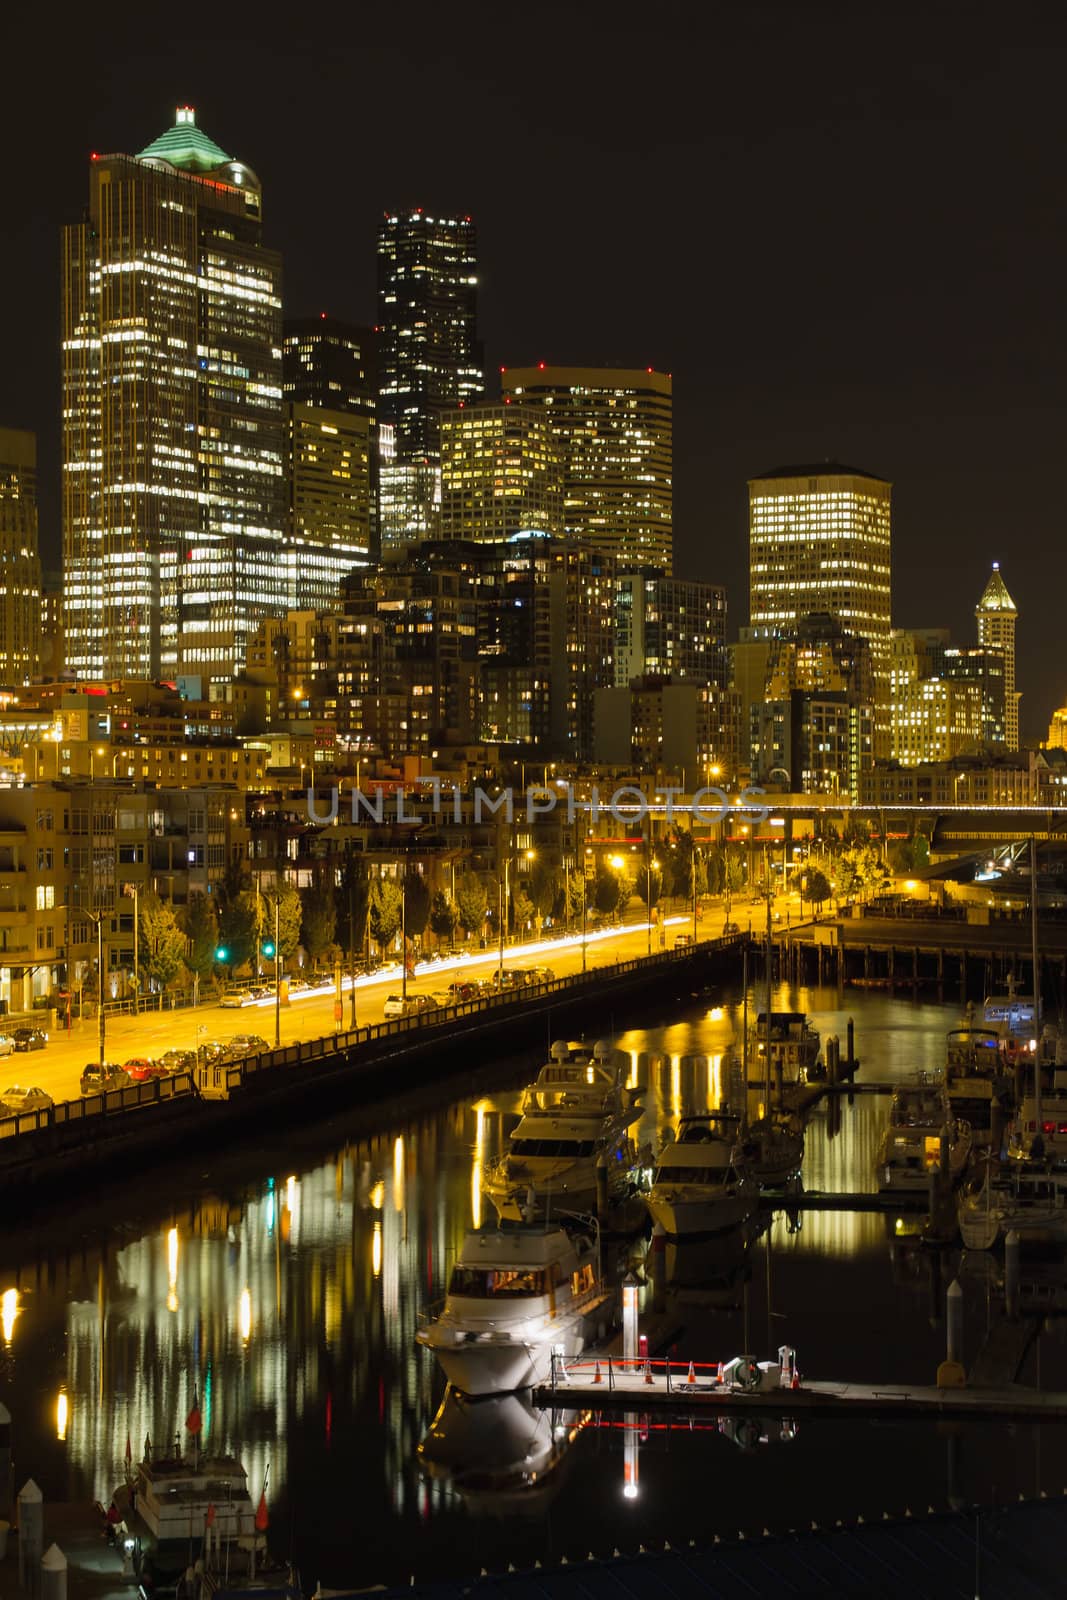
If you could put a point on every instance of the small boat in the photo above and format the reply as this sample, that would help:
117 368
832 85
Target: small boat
773 1149
701 1184
516 1294
1013 1197
976 1075
166 1507
793 1045
920 1113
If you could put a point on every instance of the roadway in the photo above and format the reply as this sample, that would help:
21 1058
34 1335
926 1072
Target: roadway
57 1069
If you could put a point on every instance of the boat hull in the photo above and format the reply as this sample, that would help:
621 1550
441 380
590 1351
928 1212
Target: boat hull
681 1218
480 1365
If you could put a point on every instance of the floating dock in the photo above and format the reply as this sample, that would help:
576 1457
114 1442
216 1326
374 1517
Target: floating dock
657 1385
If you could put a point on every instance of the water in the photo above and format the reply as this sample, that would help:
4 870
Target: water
286 1285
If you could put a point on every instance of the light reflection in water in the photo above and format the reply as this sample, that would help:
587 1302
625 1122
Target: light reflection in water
9 1310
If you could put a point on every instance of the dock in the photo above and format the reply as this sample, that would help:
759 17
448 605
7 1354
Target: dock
913 1200
695 1388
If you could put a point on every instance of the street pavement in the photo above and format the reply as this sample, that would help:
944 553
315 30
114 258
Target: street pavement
57 1069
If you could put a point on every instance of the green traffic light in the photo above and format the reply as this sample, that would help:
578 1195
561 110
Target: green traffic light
268 949
222 954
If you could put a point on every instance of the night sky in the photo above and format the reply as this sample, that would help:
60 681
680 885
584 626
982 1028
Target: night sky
841 228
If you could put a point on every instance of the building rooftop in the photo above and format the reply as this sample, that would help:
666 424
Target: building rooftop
818 469
185 145
995 596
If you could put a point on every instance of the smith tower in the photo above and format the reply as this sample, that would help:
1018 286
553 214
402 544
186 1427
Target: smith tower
996 615
173 444
429 360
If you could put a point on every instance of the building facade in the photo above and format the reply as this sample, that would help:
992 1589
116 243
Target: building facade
616 433
813 731
329 456
820 541
996 615
501 473
20 565
669 628
173 440
429 360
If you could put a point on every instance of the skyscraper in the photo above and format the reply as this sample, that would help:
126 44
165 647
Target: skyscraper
330 387
429 359
669 628
173 442
615 428
996 615
500 472
20 566
819 541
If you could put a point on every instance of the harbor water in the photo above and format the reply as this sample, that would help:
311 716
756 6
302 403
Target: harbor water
283 1283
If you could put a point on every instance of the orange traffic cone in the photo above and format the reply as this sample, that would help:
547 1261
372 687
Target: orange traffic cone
648 1371
596 1375
692 1378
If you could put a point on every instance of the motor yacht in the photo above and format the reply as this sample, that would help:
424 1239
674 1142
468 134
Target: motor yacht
793 1044
516 1295
976 1075
499 1453
580 1078
919 1114
1003 1197
701 1184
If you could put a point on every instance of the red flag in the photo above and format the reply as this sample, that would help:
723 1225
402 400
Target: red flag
210 1516
129 1450
262 1519
193 1423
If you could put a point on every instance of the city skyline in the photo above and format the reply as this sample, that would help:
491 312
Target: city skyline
864 351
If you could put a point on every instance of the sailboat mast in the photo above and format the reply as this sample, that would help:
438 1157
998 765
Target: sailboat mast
767 1047
1037 982
744 1035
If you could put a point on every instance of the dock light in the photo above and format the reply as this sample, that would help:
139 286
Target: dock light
221 953
629 1318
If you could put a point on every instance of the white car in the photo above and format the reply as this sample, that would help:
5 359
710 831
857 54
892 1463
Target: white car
236 999
7 1044
397 1005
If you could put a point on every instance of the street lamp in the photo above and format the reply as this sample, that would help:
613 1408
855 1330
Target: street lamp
132 889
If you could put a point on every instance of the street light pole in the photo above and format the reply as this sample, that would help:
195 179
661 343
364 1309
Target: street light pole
277 968
351 937
502 890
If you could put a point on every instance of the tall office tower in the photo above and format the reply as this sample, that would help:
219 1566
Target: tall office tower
20 566
326 362
819 541
173 436
501 472
429 360
669 628
813 731
617 436
996 616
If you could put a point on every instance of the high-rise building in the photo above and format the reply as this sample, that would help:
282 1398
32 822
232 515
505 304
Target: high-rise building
20 565
501 472
813 732
820 541
173 438
669 628
429 360
328 460
615 428
996 615
330 363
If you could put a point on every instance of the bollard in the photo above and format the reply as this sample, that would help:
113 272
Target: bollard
1011 1273
659 1269
53 1574
6 1502
31 1535
833 1058
950 1374
851 1058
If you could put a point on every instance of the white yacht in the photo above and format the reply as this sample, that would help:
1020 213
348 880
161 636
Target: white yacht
975 1074
1019 1197
582 1079
165 1507
497 1451
911 1143
516 1295
701 1184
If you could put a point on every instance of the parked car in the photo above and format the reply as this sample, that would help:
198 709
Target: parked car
467 989
412 1005
730 928
236 999
7 1044
178 1060
29 1038
540 975
95 1079
17 1100
683 939
142 1069
246 1044
212 1050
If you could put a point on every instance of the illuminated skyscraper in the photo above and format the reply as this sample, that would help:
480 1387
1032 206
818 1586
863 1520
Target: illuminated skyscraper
429 359
173 439
819 541
500 473
20 566
616 434
331 401
996 616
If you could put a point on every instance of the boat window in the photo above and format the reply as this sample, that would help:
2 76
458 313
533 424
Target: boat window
497 1283
705 1175
552 1147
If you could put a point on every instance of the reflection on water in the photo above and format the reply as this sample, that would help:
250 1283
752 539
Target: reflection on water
289 1299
